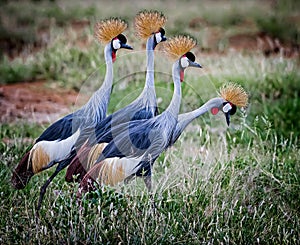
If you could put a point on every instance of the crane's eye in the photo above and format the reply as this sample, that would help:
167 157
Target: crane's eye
122 38
190 56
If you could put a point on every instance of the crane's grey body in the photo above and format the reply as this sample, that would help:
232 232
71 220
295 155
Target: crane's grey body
144 107
91 113
149 149
146 138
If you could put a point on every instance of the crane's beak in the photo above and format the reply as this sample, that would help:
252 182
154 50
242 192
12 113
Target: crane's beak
123 45
227 115
163 39
195 64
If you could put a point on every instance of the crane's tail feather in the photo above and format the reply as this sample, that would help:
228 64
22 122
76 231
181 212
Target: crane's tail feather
22 173
78 165
108 172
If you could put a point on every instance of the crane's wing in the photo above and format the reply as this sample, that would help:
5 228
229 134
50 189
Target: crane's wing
145 113
129 140
112 125
143 138
103 133
59 130
118 121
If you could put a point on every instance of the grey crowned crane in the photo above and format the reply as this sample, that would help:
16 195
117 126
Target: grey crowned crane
148 25
114 170
137 144
56 141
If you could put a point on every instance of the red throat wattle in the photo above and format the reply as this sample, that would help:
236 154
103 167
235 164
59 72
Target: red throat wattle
181 75
214 110
114 56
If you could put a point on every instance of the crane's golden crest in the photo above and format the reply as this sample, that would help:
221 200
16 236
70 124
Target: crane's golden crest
106 30
148 22
178 46
234 93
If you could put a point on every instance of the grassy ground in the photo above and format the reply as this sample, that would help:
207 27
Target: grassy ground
217 184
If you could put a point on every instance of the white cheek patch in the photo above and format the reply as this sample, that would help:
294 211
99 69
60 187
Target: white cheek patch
227 108
184 62
158 37
116 44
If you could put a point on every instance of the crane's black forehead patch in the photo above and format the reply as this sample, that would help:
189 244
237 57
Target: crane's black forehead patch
162 31
233 110
190 56
122 38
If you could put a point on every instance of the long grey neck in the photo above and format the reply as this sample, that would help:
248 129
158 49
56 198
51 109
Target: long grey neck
186 118
148 94
105 90
150 63
98 103
174 106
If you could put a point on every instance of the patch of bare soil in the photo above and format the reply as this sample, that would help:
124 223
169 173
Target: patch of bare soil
255 42
265 44
34 102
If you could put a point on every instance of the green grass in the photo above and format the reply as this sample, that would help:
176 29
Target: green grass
236 185
221 195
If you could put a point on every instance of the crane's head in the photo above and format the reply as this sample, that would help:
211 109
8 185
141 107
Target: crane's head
118 43
187 60
178 48
232 96
109 31
159 37
149 24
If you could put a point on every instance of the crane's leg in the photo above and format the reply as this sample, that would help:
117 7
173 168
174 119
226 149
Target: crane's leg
148 182
60 167
128 179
